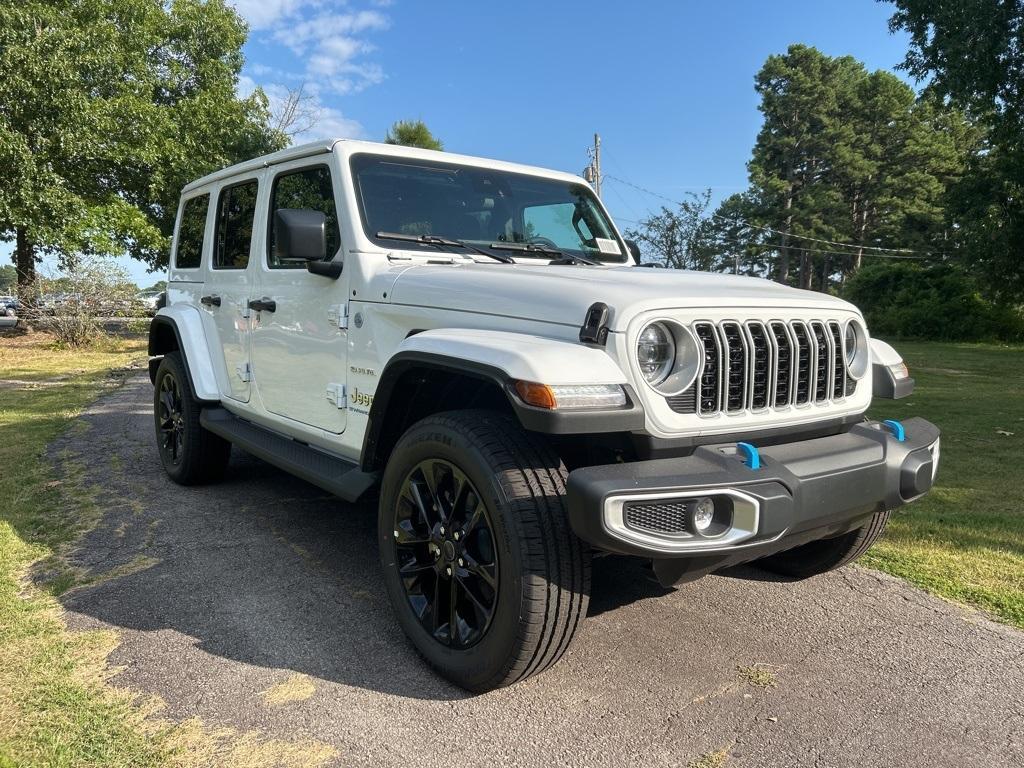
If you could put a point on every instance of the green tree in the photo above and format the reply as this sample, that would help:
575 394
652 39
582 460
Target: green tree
8 278
670 237
973 53
412 133
803 95
728 242
107 108
848 162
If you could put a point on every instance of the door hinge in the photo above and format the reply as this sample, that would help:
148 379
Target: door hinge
338 316
244 371
337 395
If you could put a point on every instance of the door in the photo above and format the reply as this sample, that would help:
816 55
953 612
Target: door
299 349
227 290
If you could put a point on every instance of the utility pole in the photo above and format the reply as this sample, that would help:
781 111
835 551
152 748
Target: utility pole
592 172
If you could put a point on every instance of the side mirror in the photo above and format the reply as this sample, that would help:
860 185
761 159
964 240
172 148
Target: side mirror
634 250
300 234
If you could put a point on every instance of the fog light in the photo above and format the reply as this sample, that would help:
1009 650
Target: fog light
703 514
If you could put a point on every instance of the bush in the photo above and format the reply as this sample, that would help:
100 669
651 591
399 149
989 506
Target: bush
939 301
88 289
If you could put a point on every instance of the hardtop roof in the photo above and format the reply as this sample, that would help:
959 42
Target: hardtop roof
352 146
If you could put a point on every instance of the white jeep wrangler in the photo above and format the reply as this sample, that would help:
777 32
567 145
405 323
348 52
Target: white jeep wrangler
476 341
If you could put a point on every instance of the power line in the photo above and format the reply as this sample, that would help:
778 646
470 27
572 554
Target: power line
922 254
765 247
770 247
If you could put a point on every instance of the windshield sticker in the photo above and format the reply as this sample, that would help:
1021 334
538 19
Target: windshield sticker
604 245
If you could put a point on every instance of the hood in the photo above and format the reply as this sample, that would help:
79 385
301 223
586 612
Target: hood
562 294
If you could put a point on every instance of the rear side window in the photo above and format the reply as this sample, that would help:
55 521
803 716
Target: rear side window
191 231
309 188
235 212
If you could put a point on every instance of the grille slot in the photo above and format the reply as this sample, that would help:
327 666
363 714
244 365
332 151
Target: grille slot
760 362
710 389
783 368
823 365
752 366
736 366
803 364
838 363
662 517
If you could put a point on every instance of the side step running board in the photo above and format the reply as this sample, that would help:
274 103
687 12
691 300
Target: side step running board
332 473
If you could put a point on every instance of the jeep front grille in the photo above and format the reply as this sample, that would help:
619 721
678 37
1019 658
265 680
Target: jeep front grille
754 366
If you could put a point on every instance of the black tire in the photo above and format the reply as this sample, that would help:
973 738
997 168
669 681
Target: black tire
190 454
542 570
826 554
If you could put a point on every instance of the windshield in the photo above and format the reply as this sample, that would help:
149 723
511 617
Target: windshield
481 206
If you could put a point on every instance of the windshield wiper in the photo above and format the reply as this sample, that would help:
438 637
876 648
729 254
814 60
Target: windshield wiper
443 242
564 258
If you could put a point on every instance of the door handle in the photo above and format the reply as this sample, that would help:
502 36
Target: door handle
265 304
210 301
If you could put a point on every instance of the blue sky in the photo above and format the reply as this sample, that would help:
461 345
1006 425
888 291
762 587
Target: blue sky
669 85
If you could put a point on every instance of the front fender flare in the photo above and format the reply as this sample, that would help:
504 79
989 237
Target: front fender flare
502 358
884 383
187 326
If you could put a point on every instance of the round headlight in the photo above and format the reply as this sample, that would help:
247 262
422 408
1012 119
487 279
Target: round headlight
855 341
850 343
655 353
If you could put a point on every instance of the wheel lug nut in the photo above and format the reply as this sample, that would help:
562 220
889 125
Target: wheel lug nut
396 534
457 535
461 562
442 530
448 571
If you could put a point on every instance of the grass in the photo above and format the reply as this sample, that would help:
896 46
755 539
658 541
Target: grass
56 708
758 675
715 759
965 540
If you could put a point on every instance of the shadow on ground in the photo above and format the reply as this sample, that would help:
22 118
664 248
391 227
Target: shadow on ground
221 592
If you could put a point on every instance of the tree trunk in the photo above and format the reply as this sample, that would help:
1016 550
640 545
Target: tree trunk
25 264
806 270
784 248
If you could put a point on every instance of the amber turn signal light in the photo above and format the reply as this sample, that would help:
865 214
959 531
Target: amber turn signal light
538 395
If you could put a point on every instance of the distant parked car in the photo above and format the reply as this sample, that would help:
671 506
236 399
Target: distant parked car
8 306
150 301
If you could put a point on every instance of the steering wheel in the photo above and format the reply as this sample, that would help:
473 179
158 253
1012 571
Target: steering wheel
546 242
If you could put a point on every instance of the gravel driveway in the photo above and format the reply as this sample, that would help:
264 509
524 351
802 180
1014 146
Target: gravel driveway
262 583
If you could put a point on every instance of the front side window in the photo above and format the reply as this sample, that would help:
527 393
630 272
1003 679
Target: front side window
236 210
309 188
481 206
191 232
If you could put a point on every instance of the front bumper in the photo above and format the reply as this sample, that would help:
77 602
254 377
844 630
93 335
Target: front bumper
802 491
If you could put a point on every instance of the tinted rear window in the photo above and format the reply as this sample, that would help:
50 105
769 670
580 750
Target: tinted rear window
191 231
235 213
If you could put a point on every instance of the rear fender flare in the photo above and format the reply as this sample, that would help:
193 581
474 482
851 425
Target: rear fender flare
187 326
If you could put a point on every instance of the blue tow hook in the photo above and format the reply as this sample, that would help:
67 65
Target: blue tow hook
897 429
750 455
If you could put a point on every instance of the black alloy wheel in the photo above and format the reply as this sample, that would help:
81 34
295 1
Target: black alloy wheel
445 552
170 419
189 453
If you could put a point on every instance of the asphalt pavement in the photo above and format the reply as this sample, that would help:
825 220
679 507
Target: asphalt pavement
263 583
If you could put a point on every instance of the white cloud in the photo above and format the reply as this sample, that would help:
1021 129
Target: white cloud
262 14
325 122
334 125
332 53
325 26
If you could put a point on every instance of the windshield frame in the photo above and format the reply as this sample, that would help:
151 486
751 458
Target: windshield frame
356 159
